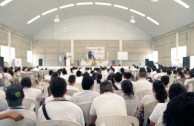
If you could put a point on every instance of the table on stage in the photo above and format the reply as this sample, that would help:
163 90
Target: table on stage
94 63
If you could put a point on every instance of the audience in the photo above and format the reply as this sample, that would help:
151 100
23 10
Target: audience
165 80
107 104
127 89
117 79
71 85
60 108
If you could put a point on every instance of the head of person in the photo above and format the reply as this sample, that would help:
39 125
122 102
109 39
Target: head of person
169 72
50 72
26 82
72 79
78 73
180 111
127 88
64 71
55 74
111 78
149 70
158 70
118 77
122 70
87 83
160 91
142 73
58 87
14 95
174 71
165 80
99 78
5 69
127 75
175 90
105 87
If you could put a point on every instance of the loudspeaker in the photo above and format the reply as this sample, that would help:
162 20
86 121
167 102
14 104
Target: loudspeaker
2 62
186 62
146 62
40 62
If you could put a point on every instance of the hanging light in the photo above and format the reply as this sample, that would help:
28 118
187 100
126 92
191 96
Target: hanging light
132 20
57 19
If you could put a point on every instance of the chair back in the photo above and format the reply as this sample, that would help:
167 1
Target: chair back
6 82
71 92
23 122
142 93
159 124
148 109
86 110
30 104
119 92
132 106
58 123
117 121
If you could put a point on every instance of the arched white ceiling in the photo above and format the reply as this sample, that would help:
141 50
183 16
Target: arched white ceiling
168 13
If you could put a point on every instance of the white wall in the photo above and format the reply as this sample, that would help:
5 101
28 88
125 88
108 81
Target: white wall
92 28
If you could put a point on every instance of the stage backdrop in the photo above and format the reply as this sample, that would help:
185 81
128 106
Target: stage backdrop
98 52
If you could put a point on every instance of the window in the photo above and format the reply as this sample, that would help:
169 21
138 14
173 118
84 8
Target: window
7 54
155 56
29 56
180 53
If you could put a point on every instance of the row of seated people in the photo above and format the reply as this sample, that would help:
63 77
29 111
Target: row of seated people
157 89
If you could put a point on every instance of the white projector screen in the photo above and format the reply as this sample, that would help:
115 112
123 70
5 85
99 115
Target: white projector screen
122 55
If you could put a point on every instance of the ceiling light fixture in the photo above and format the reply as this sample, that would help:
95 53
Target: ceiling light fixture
182 3
122 7
84 3
49 11
104 4
57 19
33 19
152 20
137 12
154 0
5 2
132 20
66 6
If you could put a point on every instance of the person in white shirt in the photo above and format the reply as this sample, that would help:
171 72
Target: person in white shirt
157 114
188 81
47 78
118 79
87 95
60 108
165 80
64 74
107 104
14 97
30 93
79 77
71 85
128 76
50 98
142 83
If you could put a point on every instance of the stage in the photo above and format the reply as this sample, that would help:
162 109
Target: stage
94 63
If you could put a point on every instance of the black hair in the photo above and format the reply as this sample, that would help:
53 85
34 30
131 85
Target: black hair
122 70
50 72
160 92
176 89
58 87
165 80
169 72
64 71
127 88
127 75
106 86
180 111
55 74
72 79
98 78
26 82
87 82
149 70
111 78
78 73
118 77
5 69
174 71
142 74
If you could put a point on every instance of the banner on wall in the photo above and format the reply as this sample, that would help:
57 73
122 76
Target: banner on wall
97 53
17 62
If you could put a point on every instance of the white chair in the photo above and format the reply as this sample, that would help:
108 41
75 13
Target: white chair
6 82
148 109
30 104
57 123
142 93
71 92
119 92
117 121
132 106
159 124
86 110
23 122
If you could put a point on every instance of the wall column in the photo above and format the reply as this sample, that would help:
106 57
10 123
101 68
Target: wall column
72 51
177 44
120 49
9 48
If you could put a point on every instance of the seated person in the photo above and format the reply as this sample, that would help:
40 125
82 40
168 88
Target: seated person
79 77
117 79
14 97
87 95
165 80
157 114
30 93
71 85
127 89
59 108
107 104
180 111
47 78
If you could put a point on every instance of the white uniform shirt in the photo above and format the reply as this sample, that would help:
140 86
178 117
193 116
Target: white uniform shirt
190 86
26 113
86 96
79 80
3 104
62 110
108 104
32 93
142 84
67 97
148 99
157 114
69 87
118 84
